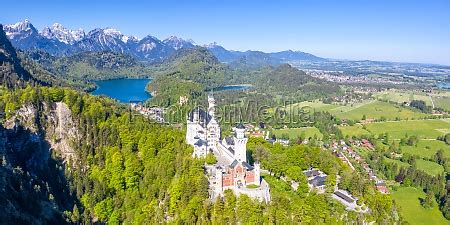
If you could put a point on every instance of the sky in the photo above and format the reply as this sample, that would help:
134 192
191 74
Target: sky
388 30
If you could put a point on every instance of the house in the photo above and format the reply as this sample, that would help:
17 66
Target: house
367 144
381 187
316 179
318 182
347 197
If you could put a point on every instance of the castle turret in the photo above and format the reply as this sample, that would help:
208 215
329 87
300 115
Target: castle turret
257 171
211 105
240 144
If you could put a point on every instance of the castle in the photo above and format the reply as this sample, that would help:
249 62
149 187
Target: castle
232 171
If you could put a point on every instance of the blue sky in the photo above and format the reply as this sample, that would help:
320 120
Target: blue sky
406 31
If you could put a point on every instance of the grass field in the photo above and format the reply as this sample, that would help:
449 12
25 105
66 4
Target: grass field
398 162
427 148
424 129
408 198
376 110
371 109
293 133
402 96
442 102
355 130
431 168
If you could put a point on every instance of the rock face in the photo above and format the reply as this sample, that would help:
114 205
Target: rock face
59 130
63 134
33 187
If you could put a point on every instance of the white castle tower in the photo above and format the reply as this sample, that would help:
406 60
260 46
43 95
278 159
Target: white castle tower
213 128
240 144
211 105
257 172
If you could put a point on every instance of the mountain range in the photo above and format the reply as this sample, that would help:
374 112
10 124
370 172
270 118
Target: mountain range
58 40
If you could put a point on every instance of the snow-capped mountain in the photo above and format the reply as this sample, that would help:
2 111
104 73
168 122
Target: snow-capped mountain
107 39
151 47
24 35
20 30
58 40
179 43
62 34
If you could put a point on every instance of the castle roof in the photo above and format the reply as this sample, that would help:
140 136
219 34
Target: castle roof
248 166
234 163
229 140
200 142
240 126
244 164
202 116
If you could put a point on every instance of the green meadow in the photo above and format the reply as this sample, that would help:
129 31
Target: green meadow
370 109
431 168
293 133
376 110
408 198
402 96
442 102
398 162
355 130
424 129
427 148
428 167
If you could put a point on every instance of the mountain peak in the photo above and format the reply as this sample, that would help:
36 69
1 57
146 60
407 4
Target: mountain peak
111 31
58 32
178 43
22 29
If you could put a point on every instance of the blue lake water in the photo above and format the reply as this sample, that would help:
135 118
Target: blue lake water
123 90
233 88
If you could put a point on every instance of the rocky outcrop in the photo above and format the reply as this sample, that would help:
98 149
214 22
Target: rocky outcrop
61 131
58 127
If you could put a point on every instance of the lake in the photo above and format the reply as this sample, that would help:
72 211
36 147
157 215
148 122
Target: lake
233 87
123 90
126 90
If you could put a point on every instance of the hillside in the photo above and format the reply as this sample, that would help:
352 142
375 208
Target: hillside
90 65
197 65
292 83
12 74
